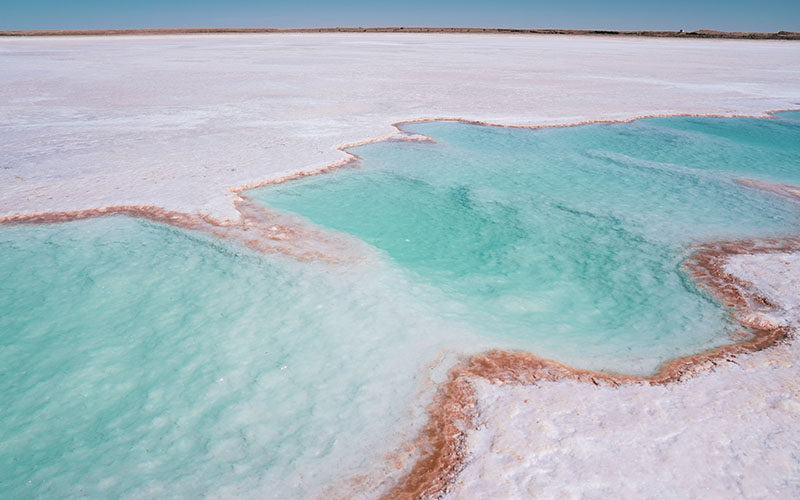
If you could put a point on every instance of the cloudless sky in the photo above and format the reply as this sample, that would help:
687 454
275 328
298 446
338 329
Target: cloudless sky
726 15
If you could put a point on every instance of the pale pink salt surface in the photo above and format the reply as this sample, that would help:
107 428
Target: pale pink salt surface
733 432
174 122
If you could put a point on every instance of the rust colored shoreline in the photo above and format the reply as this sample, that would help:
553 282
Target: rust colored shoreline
402 135
701 34
258 228
443 439
767 115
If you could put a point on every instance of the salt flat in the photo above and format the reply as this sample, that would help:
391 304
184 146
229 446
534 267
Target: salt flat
175 121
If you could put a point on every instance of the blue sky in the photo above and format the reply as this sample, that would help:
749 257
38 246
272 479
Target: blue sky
731 15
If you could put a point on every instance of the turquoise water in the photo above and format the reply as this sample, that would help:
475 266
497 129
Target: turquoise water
142 361
788 115
565 241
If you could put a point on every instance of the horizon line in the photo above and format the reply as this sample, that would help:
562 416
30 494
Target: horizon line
703 33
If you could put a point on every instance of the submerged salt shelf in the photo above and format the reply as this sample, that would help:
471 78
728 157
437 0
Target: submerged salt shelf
145 361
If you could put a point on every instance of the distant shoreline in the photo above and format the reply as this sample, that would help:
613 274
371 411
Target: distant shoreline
780 35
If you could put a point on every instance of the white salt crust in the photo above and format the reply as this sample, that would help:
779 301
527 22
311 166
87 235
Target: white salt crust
176 121
730 433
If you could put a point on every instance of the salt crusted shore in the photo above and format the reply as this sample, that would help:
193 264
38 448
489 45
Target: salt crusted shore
175 122
721 424
728 433
174 128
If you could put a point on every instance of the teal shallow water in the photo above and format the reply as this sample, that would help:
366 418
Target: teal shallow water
141 361
566 241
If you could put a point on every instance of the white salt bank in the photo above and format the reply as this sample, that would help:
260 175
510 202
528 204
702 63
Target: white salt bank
176 121
728 433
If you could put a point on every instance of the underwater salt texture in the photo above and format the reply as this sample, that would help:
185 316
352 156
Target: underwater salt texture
566 242
144 361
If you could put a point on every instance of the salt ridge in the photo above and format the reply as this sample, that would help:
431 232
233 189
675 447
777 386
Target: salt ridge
728 432
461 412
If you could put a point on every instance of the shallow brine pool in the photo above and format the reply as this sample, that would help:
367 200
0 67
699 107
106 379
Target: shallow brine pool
144 361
